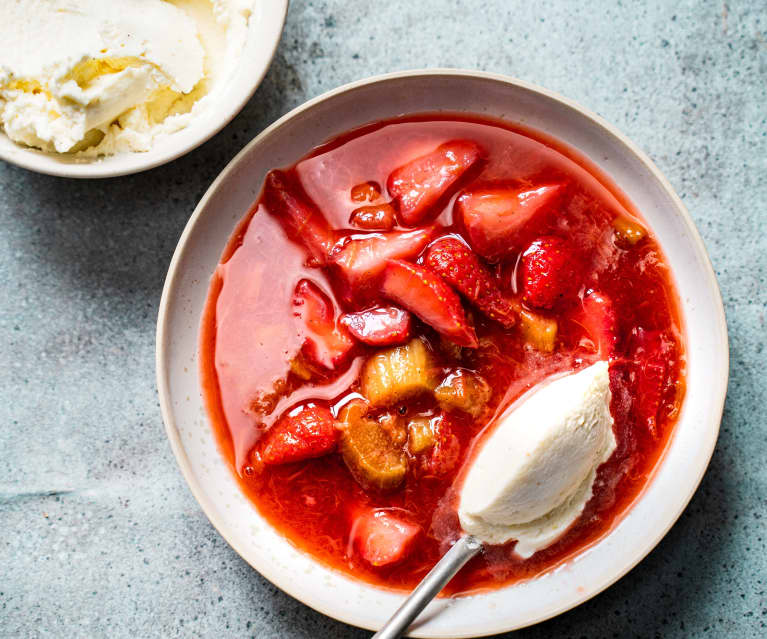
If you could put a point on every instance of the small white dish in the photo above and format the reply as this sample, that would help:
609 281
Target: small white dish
265 28
283 143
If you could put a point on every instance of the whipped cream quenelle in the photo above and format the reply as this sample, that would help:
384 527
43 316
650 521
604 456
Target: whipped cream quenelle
534 473
98 77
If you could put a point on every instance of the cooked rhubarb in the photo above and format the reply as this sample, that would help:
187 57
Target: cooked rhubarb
464 390
398 373
373 457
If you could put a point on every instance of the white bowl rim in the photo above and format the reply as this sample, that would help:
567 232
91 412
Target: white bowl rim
128 163
640 552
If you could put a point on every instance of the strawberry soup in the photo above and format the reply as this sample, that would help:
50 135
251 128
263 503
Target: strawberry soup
394 291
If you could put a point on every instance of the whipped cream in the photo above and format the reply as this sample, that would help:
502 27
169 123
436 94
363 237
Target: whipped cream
97 77
535 471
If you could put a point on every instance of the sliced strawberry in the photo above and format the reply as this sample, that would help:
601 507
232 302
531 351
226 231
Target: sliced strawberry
383 538
379 326
361 261
651 356
459 266
548 272
427 296
421 183
598 319
374 217
327 343
305 432
299 216
494 216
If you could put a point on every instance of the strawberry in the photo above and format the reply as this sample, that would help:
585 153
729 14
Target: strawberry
379 326
457 264
383 538
299 216
651 359
327 343
422 183
493 216
548 272
304 432
598 318
427 296
361 261
374 217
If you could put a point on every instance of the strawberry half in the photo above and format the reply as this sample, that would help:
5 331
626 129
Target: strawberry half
457 264
428 297
380 326
302 221
382 538
327 343
598 319
548 272
494 216
304 432
361 261
421 183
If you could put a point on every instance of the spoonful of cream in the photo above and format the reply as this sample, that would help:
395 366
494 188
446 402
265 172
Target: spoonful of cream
529 481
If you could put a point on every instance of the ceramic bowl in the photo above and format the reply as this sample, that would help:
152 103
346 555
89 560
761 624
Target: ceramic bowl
283 143
265 28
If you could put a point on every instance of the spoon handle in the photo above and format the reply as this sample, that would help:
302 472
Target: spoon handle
452 561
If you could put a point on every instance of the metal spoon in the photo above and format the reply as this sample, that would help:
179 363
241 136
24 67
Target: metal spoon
452 561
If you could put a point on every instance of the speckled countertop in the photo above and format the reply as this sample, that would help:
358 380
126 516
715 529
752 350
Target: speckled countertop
99 535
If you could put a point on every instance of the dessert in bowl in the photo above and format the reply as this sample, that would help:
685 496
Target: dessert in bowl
387 305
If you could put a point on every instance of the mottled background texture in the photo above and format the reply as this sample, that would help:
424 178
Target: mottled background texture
99 535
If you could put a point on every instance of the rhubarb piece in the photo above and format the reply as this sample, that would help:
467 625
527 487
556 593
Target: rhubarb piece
303 368
362 261
538 332
374 217
548 273
422 183
379 326
420 435
365 192
493 216
398 373
305 432
395 427
302 221
383 538
355 409
427 296
628 231
327 342
599 320
457 264
371 455
463 390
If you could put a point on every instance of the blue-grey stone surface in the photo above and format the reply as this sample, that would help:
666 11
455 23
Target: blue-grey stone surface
99 535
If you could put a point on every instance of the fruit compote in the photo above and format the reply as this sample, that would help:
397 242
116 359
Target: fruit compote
394 291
